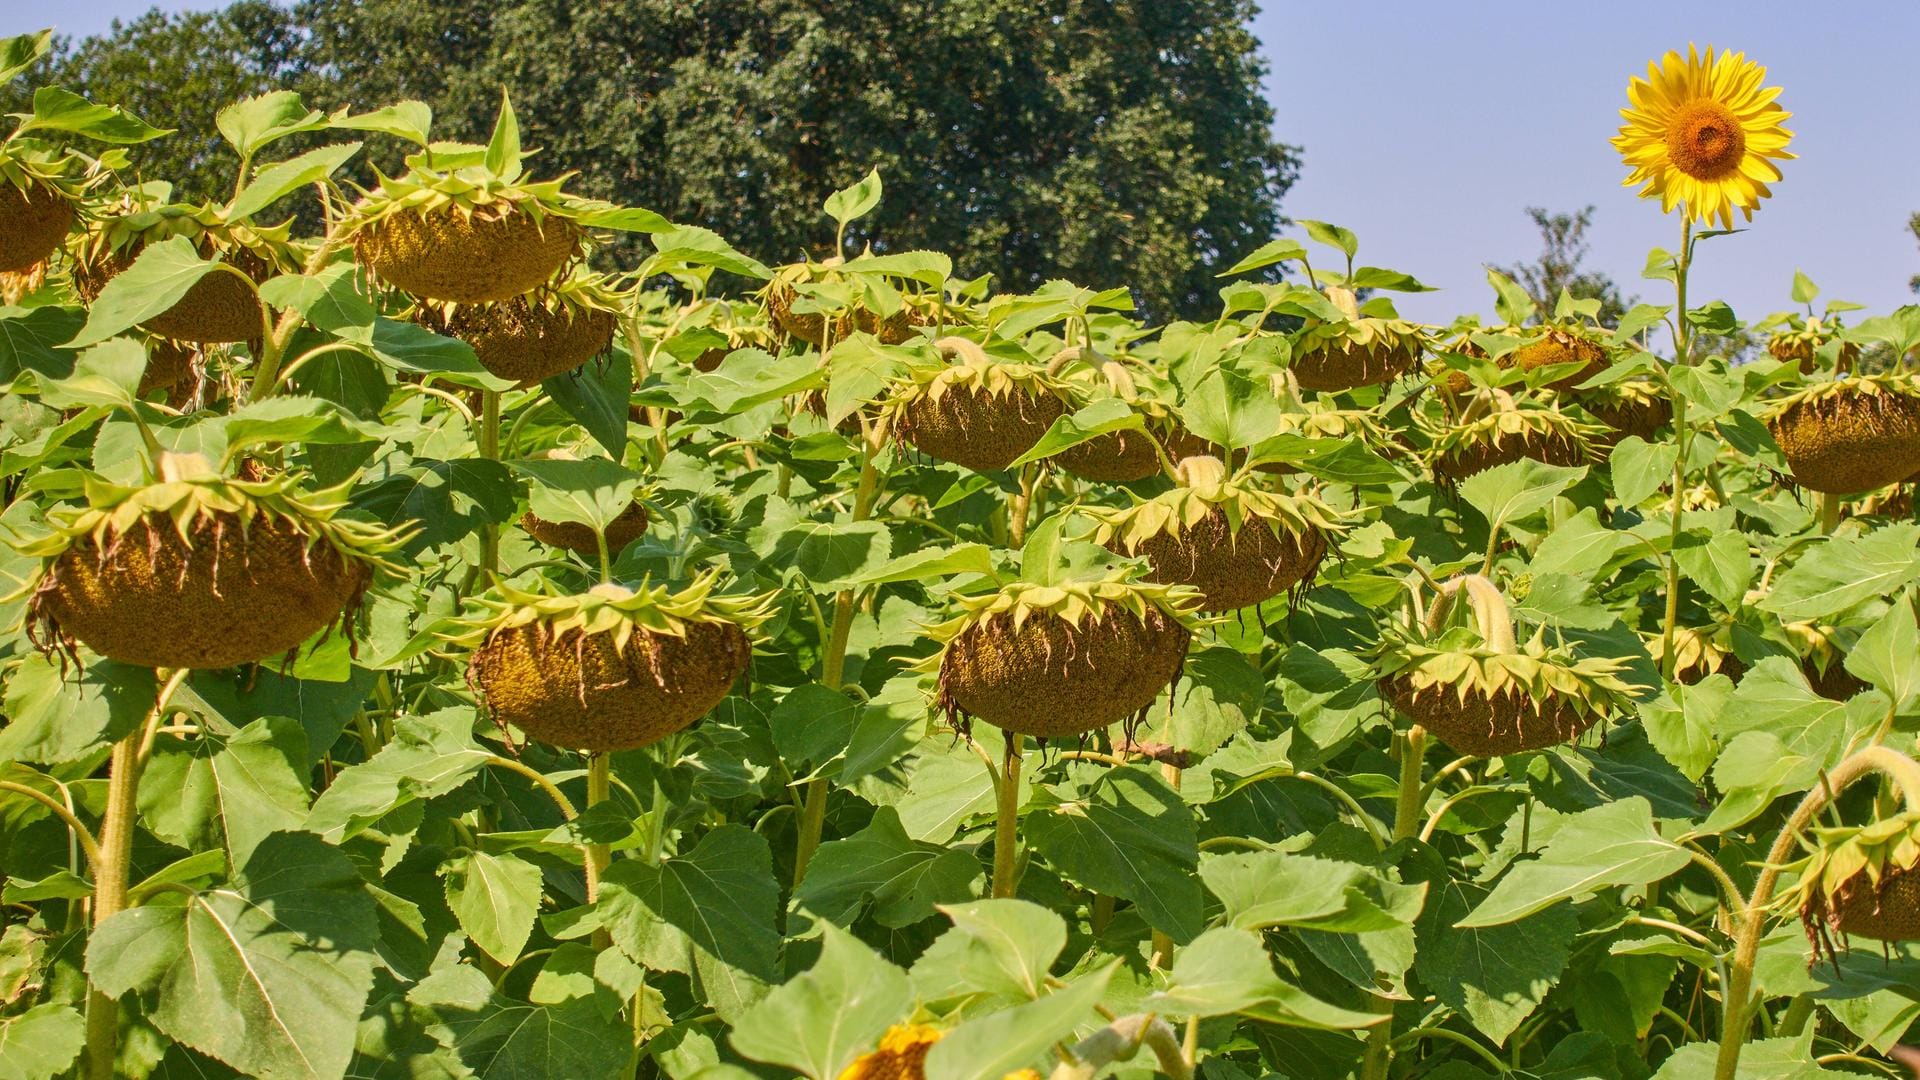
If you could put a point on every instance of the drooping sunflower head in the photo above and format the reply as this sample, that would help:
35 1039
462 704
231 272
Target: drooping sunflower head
1703 132
1858 880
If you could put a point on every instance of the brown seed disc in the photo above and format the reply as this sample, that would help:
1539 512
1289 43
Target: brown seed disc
710 359
218 309
580 692
1696 670
527 342
236 596
1630 417
1118 457
32 224
1333 367
1889 911
168 362
1233 570
1847 443
1053 680
1835 683
1476 457
1557 350
809 327
1183 444
895 329
1794 348
981 431
467 259
1506 723
580 539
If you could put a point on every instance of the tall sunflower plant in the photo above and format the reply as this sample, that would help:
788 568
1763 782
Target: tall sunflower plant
486 654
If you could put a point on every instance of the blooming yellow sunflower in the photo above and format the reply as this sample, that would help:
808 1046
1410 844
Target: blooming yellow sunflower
901 1055
1701 132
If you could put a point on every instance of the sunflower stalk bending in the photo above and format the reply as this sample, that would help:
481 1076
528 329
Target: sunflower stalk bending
1898 768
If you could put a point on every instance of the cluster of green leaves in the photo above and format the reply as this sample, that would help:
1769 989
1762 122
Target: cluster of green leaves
342 867
1022 143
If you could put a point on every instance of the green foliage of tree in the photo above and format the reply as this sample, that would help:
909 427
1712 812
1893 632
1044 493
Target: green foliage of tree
1913 226
1117 144
1563 239
183 67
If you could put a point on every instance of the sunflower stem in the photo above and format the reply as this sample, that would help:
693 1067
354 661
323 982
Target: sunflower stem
833 659
1904 772
1682 357
1006 818
599 785
1829 507
112 867
277 335
489 440
1406 814
1017 508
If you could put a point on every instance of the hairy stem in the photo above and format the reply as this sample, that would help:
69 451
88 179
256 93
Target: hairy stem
1682 357
87 843
1122 1040
489 439
273 347
1006 818
1406 814
1829 507
599 786
111 869
1897 767
1017 508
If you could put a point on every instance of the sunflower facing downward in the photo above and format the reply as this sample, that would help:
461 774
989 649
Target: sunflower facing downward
1700 133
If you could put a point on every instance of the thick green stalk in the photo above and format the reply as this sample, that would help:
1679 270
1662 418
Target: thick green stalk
273 345
489 440
1406 816
599 786
1682 357
1018 507
111 870
1829 507
833 662
1905 774
1006 819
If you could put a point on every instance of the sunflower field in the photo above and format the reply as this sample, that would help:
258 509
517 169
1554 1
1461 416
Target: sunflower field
432 652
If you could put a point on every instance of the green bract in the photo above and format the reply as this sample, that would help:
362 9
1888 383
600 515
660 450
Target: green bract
198 570
189 490
1859 880
1075 602
1332 355
1206 489
1500 428
607 609
980 412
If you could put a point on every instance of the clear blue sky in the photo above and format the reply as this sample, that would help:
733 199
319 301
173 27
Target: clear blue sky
1428 127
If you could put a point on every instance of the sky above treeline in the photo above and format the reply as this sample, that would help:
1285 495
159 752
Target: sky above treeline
1429 128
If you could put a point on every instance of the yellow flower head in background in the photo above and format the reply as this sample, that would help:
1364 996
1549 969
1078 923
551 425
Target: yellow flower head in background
901 1055
1701 132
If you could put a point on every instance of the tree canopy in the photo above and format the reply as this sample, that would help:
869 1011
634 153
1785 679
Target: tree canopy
1122 143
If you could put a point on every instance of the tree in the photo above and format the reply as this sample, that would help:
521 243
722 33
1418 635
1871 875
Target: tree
1564 247
176 71
1116 142
1913 226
